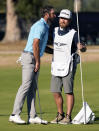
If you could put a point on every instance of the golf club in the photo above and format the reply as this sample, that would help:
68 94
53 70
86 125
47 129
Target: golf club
42 121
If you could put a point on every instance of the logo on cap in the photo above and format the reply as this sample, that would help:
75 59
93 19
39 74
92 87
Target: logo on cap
65 13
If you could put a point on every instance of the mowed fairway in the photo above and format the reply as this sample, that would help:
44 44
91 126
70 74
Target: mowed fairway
10 80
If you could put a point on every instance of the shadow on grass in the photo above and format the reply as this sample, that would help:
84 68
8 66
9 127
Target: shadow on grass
97 117
22 113
4 115
97 120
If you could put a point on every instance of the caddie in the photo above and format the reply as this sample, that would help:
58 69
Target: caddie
64 65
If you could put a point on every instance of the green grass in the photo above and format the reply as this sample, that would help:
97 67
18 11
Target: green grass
10 80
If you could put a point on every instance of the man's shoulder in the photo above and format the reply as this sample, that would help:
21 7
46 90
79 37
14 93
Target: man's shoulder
39 25
72 30
56 29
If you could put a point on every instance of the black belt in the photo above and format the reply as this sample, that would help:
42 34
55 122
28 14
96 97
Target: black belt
28 52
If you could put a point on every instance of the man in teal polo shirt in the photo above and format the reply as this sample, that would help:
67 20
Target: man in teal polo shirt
30 61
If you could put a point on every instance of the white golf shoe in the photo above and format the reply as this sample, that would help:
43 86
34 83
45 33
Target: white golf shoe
37 120
16 119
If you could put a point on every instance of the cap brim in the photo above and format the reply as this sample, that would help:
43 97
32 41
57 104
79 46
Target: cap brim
64 16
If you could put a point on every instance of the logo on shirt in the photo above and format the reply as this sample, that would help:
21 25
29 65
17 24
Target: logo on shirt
60 44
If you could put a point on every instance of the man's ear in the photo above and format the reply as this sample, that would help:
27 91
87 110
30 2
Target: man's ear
47 15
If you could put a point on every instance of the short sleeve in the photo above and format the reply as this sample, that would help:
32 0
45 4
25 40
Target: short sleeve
74 43
75 38
38 32
53 33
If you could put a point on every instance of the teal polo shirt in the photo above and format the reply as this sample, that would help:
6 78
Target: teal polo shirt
38 30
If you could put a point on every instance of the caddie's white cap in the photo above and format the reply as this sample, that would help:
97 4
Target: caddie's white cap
65 13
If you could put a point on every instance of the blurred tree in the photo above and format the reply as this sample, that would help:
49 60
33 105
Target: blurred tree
70 4
28 9
12 30
60 4
84 5
2 6
90 6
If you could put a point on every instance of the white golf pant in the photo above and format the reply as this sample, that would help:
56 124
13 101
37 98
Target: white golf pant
28 87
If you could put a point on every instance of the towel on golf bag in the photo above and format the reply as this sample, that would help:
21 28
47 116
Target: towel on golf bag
80 117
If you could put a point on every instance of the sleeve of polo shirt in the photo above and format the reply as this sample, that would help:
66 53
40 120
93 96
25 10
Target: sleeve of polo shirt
75 39
53 34
74 43
38 32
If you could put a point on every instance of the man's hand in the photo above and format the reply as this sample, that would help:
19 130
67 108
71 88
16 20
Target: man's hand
37 66
81 47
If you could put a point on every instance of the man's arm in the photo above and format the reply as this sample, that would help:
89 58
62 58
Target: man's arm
36 54
80 46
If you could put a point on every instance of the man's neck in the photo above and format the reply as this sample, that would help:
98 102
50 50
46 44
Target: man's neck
62 29
46 19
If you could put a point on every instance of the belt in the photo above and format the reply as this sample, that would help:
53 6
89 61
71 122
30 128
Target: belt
28 52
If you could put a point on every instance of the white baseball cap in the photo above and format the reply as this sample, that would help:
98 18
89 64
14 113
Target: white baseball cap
65 13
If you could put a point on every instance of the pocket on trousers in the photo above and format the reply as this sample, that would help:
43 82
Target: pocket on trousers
26 58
